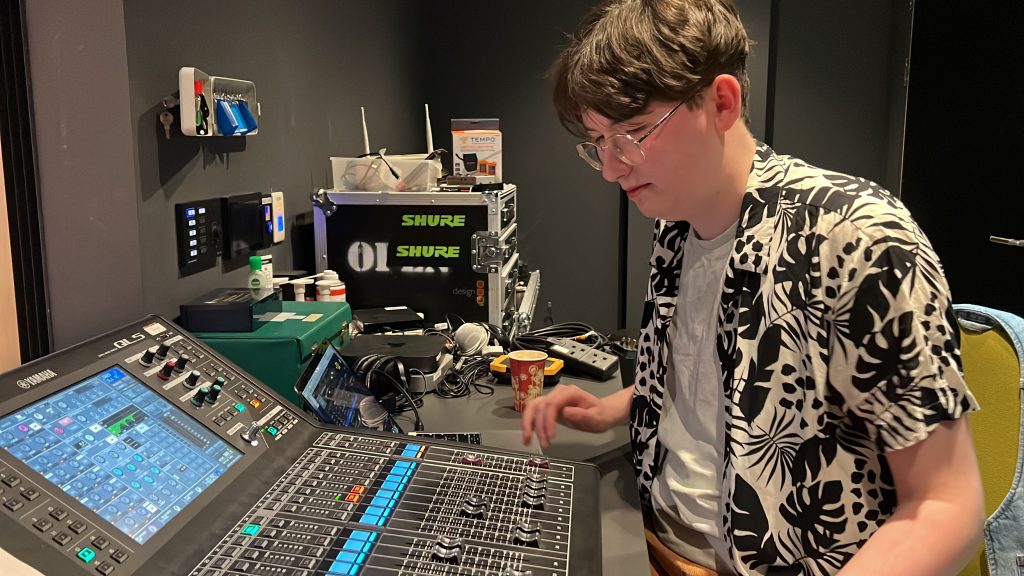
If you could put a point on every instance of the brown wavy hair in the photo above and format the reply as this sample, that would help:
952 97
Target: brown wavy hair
626 53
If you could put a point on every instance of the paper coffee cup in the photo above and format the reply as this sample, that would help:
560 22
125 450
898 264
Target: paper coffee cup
527 367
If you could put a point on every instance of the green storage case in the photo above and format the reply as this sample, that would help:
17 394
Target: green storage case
279 351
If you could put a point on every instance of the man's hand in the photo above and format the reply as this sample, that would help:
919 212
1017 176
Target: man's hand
576 408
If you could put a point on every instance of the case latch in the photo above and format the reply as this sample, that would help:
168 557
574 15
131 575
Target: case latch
487 251
323 202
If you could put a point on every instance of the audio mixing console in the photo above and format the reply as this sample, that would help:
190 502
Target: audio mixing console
144 452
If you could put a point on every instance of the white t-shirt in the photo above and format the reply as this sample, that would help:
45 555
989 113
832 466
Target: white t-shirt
686 495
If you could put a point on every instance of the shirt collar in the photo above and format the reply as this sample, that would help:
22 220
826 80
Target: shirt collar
759 211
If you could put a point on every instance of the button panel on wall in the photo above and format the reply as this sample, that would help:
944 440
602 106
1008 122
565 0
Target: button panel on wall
199 236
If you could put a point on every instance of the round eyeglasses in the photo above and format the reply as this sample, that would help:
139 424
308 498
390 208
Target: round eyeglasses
625 147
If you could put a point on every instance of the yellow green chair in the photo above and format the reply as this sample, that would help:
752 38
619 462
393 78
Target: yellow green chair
990 341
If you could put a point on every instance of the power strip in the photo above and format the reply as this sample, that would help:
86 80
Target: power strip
584 359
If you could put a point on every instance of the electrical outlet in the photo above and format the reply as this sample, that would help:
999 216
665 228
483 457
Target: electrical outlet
584 359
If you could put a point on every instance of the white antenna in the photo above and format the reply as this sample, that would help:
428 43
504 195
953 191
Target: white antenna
366 137
430 135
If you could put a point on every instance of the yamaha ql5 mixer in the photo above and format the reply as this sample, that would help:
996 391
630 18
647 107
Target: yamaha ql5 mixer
144 452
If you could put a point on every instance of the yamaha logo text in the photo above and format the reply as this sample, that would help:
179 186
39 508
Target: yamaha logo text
37 378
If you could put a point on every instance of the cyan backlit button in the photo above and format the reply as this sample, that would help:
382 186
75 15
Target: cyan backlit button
340 568
343 556
87 555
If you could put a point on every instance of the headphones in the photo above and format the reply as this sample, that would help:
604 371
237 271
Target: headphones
386 377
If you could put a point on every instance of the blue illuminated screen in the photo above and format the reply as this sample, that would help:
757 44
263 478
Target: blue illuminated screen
120 449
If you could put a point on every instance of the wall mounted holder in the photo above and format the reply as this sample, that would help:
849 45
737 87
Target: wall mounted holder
217 106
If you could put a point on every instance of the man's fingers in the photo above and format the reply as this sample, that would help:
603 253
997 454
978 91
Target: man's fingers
528 418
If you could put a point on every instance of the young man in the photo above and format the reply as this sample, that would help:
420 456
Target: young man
799 404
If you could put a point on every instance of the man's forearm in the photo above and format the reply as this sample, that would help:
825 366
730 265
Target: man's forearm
932 538
620 403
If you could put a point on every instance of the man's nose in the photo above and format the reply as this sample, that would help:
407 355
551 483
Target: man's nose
613 168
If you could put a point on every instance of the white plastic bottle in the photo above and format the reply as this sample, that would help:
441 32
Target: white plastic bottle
257 278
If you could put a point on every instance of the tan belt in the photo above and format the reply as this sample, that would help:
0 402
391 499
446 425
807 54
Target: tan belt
665 562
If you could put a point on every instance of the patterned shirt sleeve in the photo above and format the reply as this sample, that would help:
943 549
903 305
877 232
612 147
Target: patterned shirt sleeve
895 356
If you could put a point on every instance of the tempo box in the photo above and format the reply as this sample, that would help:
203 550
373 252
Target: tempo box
476 147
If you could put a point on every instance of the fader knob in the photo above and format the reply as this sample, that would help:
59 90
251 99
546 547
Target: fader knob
147 357
192 379
536 480
538 462
200 396
165 372
161 351
447 549
532 501
214 393
179 364
472 459
527 534
534 492
474 507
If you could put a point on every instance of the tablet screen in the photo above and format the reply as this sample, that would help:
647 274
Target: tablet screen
337 396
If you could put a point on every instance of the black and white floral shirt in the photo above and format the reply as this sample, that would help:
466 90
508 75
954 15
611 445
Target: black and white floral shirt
837 342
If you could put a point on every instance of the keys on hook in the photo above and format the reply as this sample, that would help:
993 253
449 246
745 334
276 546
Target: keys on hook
1006 241
167 119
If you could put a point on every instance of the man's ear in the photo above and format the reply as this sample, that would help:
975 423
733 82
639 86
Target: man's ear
726 101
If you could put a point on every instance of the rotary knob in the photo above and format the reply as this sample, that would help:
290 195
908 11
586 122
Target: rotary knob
192 379
200 396
447 549
220 381
165 372
214 393
252 434
538 462
472 459
147 356
179 364
161 351
527 534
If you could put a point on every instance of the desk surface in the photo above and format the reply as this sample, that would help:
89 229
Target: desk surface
624 551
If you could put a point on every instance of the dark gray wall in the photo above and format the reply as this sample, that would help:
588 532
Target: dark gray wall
960 178
839 70
568 215
85 158
314 63
756 16
109 179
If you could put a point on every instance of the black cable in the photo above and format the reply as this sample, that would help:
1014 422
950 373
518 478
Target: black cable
538 339
398 386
